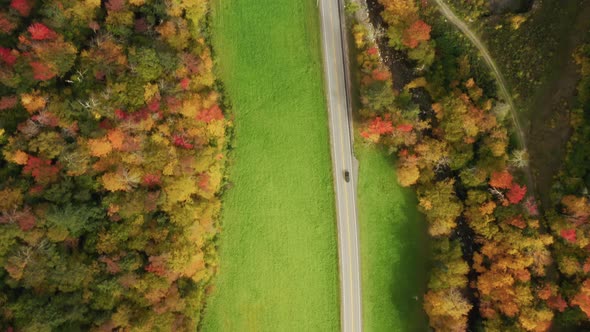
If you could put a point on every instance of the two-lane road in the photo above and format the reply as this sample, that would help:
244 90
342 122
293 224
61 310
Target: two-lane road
342 160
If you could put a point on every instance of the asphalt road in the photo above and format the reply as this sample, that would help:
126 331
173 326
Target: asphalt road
331 12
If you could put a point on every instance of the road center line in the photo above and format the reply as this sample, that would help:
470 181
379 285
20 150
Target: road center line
339 110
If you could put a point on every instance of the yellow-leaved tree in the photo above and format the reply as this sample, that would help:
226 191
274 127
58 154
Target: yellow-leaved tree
99 147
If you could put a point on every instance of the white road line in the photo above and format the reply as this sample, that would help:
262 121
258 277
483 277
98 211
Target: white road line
336 167
351 317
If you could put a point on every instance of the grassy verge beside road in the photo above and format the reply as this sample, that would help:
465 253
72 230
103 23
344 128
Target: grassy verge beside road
278 255
394 244
394 247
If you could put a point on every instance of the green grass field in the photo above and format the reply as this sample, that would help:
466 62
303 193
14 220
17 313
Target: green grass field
278 254
394 247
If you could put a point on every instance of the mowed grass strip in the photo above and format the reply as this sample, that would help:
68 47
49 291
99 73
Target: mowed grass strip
278 253
394 247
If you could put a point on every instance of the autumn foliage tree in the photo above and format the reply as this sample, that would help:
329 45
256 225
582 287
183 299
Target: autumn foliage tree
451 143
39 31
416 33
111 168
582 298
445 302
23 7
502 180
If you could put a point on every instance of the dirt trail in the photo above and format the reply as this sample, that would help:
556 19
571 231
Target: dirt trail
450 15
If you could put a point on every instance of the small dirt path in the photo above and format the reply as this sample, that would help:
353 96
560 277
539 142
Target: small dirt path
450 15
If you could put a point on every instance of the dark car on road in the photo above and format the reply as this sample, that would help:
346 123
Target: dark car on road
346 176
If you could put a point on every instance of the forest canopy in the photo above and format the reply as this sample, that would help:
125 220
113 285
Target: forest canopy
500 260
113 141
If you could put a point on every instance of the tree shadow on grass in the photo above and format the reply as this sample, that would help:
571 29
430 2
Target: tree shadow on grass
411 277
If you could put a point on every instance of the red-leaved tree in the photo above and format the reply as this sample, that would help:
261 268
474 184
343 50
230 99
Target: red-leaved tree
152 180
41 71
569 235
381 127
181 142
23 7
418 32
8 102
185 83
41 169
209 114
557 303
380 74
39 31
404 128
26 220
7 56
516 193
